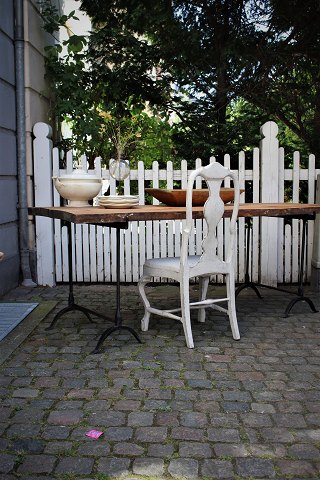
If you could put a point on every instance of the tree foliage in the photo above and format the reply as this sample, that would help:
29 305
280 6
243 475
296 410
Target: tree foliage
206 56
193 50
283 78
102 120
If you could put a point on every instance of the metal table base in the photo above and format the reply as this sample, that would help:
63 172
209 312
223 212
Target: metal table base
118 325
300 297
71 302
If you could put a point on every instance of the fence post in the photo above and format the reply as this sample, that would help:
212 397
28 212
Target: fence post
315 260
42 153
269 193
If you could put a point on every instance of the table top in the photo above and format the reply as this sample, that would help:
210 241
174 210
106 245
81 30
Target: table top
101 215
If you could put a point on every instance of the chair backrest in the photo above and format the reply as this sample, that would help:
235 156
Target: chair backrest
213 174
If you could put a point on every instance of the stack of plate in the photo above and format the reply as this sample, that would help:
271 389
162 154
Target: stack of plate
118 201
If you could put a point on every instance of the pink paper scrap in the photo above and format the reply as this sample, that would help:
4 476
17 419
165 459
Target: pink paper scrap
94 434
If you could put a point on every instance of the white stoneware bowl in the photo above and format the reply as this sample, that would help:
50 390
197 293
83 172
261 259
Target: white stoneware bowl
78 187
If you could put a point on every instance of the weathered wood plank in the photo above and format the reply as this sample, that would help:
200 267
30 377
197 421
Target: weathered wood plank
99 215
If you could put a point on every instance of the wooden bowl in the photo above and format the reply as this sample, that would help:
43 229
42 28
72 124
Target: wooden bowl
177 197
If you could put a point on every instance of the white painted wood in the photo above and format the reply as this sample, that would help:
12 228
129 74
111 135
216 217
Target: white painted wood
130 250
184 184
226 221
85 234
241 224
95 232
100 265
78 239
58 244
69 162
109 267
269 181
134 227
156 224
43 196
163 238
281 221
170 238
84 163
198 223
287 258
122 262
141 225
296 244
65 265
311 224
86 253
182 269
255 250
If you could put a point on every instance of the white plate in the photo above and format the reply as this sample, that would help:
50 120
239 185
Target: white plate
118 205
116 201
119 198
131 200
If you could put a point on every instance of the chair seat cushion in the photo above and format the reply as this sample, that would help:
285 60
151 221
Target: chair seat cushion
159 266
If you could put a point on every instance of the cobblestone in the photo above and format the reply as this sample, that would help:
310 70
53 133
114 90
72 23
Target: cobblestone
150 467
37 464
223 410
183 468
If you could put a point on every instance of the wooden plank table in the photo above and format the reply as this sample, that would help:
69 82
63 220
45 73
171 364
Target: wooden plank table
102 216
119 219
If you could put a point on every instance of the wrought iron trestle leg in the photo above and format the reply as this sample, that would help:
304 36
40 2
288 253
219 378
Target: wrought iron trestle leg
301 297
118 318
300 293
247 282
71 303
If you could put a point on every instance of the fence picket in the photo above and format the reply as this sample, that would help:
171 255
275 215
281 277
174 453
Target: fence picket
226 222
42 148
170 239
109 266
281 221
254 257
141 225
94 233
154 237
199 223
57 223
130 247
241 223
287 257
311 199
295 223
65 265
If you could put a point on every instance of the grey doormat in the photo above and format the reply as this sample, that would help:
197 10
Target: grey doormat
11 314
21 332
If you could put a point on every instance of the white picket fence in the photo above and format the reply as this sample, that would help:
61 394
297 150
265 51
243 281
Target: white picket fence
275 246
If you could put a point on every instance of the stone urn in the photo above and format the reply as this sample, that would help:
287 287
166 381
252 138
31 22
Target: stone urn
78 187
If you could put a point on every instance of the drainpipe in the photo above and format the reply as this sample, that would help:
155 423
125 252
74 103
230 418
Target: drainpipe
21 146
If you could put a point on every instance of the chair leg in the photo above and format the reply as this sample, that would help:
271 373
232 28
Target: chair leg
185 312
145 320
232 306
203 288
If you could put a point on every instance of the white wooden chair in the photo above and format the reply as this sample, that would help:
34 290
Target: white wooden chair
185 267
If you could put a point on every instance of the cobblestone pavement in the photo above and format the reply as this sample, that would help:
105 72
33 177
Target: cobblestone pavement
225 410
